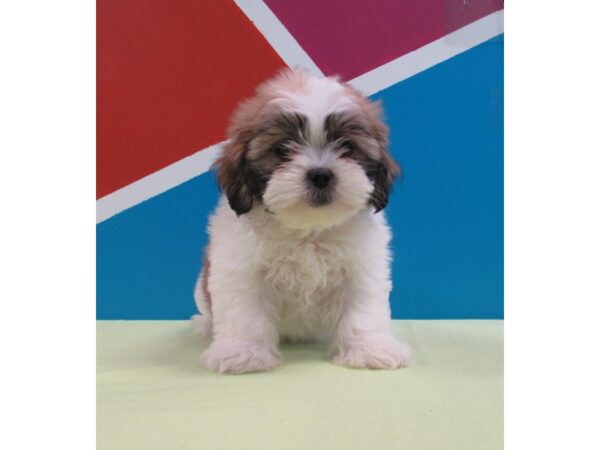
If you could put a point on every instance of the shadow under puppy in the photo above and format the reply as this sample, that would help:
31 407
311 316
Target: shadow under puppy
298 246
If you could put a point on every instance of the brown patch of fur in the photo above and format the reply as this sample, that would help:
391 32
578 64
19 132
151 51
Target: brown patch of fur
205 273
366 129
238 176
374 116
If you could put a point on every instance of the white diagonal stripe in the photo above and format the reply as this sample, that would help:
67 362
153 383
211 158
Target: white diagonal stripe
160 181
277 35
430 54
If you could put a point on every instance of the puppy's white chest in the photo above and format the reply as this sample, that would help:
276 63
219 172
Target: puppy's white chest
307 267
304 281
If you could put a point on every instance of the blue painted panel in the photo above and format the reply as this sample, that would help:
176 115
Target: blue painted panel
149 256
447 214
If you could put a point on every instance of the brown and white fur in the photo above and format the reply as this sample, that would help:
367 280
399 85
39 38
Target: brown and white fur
298 246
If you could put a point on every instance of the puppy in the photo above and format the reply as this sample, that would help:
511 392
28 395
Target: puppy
298 245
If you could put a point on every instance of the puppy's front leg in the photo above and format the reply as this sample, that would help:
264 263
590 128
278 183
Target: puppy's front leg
244 338
364 337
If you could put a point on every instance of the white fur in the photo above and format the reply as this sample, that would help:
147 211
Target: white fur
290 271
269 282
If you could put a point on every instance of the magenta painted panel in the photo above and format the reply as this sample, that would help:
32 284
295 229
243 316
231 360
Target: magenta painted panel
350 37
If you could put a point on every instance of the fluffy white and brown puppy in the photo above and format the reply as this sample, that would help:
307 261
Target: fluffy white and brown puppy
298 246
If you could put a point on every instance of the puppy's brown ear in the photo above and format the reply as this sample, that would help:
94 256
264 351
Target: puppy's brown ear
233 176
385 169
383 177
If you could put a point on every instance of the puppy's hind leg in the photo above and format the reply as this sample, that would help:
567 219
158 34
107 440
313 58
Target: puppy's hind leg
202 323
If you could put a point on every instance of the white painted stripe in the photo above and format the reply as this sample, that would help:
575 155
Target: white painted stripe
430 54
150 186
277 35
369 83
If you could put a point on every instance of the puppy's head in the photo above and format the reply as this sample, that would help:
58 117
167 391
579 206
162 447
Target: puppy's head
310 151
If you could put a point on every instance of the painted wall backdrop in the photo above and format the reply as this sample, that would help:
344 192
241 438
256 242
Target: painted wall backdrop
169 75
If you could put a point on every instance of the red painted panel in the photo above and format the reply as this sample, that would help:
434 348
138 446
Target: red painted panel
351 37
169 73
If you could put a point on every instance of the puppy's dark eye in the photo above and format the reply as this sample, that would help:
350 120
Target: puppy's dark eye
347 147
282 150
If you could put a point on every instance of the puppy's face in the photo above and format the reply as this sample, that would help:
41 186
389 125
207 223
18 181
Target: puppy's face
311 152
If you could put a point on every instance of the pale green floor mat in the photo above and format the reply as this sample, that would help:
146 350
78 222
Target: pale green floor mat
152 393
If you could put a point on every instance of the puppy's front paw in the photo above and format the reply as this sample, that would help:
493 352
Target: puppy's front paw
235 357
375 354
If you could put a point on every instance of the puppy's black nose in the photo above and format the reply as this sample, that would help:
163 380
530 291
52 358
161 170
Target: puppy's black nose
321 178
